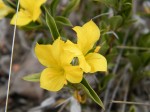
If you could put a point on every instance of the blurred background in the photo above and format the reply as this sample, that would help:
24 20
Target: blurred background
125 42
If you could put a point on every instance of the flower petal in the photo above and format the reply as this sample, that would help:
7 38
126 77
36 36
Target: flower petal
33 6
74 51
4 10
52 79
27 4
3 13
87 35
44 55
57 49
71 51
74 74
73 48
37 10
24 18
84 65
97 62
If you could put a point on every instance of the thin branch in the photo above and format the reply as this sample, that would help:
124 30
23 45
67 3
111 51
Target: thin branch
130 103
12 52
133 48
104 14
112 32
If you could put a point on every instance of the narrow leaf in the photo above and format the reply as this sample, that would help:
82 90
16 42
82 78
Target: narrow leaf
33 77
71 6
63 21
91 92
51 25
53 6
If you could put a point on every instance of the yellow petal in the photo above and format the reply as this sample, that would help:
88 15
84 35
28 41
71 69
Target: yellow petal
87 35
27 4
24 18
71 50
84 65
3 13
52 79
33 6
37 10
44 55
30 4
74 74
97 62
4 10
74 51
65 58
57 49
36 14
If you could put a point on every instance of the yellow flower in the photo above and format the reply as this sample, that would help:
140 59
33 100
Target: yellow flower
4 10
30 11
59 70
87 35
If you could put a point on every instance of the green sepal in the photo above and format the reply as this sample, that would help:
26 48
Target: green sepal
88 89
33 77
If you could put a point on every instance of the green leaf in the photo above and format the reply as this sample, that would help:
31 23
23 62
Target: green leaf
103 26
53 6
63 21
88 89
51 25
144 40
112 3
132 109
71 6
135 61
115 22
32 77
